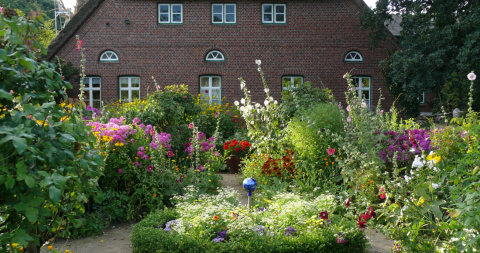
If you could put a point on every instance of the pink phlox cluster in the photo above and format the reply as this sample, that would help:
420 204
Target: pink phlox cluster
114 129
205 144
164 139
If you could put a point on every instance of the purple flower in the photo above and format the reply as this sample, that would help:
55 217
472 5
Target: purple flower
290 230
150 168
222 234
349 119
200 168
141 148
218 239
119 170
169 153
136 121
216 153
138 164
348 108
85 118
154 145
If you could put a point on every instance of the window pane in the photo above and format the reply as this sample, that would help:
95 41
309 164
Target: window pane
164 8
204 82
123 82
135 82
217 18
279 9
124 95
366 94
135 94
349 57
86 94
176 17
96 82
176 9
280 17
215 81
366 82
287 82
267 17
96 94
267 8
229 8
217 8
163 17
86 82
96 104
297 81
230 18
210 56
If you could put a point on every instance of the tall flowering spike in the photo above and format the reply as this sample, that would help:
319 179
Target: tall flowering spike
258 62
471 76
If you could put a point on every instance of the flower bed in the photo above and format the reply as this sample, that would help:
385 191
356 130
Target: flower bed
215 223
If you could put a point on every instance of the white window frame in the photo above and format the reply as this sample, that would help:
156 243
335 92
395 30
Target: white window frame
216 59
224 13
353 60
129 88
210 89
274 14
292 81
88 83
361 88
170 14
110 59
421 98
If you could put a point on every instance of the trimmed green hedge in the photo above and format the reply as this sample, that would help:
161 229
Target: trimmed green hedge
147 236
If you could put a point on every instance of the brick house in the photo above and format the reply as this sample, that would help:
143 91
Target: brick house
208 45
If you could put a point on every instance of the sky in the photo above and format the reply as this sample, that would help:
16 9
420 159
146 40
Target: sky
71 3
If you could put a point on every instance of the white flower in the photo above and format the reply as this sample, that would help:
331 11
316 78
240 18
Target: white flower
242 85
258 69
471 76
266 102
419 162
236 103
435 169
270 98
275 102
404 208
267 90
411 172
345 76
364 104
435 186
252 122
258 62
257 105
407 178
242 101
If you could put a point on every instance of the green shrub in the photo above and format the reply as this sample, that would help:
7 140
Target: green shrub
303 97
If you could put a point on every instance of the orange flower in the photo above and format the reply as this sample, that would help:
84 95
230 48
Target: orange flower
371 182
216 217
154 195
50 247
176 167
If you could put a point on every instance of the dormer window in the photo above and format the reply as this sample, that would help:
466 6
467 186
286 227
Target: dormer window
109 56
353 56
214 55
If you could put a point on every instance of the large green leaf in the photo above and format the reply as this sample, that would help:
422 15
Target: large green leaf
28 108
32 214
7 95
55 194
20 144
10 182
30 181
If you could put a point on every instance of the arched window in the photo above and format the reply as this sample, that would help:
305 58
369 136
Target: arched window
353 56
214 55
109 56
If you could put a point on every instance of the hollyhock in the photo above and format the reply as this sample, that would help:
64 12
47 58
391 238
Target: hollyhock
362 220
330 151
372 213
323 215
150 168
471 76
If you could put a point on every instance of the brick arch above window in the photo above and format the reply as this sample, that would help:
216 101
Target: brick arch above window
108 56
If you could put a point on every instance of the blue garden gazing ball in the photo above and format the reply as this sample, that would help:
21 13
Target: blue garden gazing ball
250 184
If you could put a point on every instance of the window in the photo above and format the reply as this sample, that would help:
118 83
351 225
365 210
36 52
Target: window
109 56
363 86
224 13
289 82
274 13
214 55
353 56
129 88
211 88
92 91
170 13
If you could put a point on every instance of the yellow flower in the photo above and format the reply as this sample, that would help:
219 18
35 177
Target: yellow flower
119 144
434 157
420 201
14 245
21 248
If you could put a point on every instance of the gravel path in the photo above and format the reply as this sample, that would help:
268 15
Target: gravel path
116 238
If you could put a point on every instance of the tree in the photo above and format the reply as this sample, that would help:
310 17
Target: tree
48 166
441 42
26 6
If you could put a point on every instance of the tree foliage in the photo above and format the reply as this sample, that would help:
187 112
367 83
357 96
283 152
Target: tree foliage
48 166
26 6
441 42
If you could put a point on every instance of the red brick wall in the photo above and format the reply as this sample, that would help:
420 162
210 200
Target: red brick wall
313 44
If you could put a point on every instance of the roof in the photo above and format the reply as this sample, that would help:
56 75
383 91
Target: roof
72 26
394 25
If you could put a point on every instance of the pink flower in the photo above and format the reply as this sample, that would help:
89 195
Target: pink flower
138 164
158 87
330 151
341 240
339 105
216 114
150 168
200 168
348 108
119 170
79 43
381 111
11 91
190 125
63 78
471 76
349 119
169 153
1 9
372 213
206 91
216 153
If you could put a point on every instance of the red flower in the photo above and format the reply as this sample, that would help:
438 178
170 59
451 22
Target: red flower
237 149
361 223
234 143
225 146
372 213
324 215
347 202
382 196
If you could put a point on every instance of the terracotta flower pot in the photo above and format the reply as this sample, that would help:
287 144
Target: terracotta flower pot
233 164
